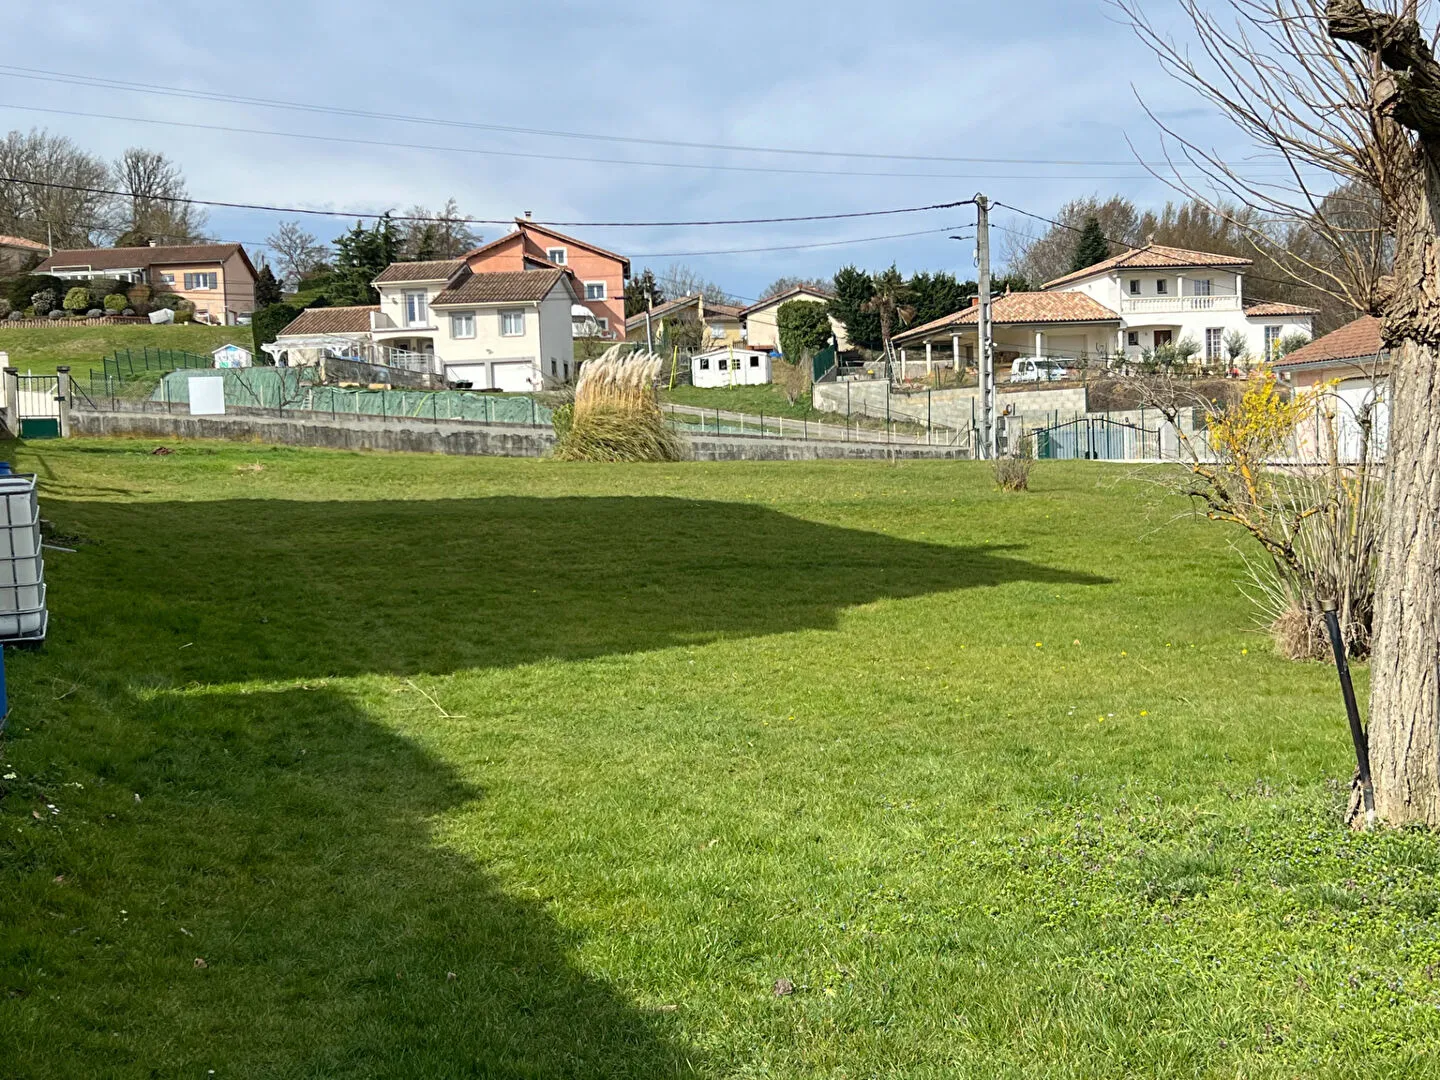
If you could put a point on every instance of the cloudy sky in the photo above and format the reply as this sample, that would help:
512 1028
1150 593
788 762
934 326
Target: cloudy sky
1049 85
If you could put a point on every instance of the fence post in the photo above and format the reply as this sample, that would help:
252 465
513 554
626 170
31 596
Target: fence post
533 421
62 398
12 400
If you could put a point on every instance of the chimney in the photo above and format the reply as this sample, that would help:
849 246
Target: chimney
529 215
974 301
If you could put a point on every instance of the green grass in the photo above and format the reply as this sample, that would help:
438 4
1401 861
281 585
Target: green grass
463 767
42 349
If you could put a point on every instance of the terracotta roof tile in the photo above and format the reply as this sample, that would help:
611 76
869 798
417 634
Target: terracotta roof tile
21 242
780 298
331 320
435 270
1153 257
124 258
1256 310
506 286
1023 308
1353 341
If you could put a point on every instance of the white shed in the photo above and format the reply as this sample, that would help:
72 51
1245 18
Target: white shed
730 367
231 356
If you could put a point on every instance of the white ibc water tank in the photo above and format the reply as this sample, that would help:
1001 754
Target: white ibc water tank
22 567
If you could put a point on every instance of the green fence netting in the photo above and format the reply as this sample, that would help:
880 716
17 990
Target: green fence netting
291 389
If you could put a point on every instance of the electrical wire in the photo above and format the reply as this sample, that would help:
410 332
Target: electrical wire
388 144
187 200
70 78
792 247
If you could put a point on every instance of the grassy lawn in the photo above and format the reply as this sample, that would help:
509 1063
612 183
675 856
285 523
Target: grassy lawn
42 349
358 765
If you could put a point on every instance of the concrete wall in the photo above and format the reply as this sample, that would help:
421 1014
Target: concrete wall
349 433
490 440
945 408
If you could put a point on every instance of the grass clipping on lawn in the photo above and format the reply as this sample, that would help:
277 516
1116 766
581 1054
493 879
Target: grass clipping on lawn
616 415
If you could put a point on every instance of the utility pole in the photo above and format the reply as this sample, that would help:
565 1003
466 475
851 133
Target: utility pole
649 303
984 328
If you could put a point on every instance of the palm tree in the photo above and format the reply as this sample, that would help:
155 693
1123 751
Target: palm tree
889 302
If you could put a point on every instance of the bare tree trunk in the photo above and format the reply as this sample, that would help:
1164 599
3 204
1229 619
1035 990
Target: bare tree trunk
1404 732
1404 728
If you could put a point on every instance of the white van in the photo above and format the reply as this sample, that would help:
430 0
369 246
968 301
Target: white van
1025 370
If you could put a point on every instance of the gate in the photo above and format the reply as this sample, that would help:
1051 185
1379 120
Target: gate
1096 439
37 401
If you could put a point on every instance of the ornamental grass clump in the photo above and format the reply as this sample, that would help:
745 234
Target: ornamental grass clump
616 415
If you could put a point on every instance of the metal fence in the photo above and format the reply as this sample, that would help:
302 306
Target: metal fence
1096 439
127 363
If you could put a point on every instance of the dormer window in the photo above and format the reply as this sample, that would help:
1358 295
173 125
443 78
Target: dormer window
556 256
1160 287
1134 286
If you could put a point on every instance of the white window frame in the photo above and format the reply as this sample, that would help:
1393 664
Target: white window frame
1132 339
1217 335
1273 334
1160 287
193 280
165 279
603 322
704 363
595 285
419 313
1203 286
459 319
563 260
512 313
1134 286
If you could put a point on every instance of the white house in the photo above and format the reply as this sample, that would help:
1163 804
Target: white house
506 330
1137 301
730 366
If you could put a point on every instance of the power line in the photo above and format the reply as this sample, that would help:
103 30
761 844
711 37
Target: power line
70 78
793 247
388 144
483 221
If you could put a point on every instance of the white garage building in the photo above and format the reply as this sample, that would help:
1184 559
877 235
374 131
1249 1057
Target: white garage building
730 366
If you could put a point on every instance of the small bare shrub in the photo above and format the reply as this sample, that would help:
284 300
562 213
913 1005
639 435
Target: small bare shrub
1012 472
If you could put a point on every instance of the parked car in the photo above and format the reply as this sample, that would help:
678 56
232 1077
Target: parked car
1025 370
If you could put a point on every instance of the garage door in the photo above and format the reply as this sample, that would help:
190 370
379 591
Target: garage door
474 374
513 376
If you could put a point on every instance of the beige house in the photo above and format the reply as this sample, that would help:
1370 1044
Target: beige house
218 279
762 330
16 253
723 323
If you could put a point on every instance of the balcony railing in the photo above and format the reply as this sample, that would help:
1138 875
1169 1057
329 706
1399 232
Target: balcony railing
1136 305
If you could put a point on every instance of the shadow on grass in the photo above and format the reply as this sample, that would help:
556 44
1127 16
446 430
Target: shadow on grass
285 840
284 589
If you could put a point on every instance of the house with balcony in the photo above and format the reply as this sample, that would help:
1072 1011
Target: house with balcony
506 330
1120 310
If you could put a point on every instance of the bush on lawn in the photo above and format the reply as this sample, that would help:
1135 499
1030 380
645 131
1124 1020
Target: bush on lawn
21 290
77 299
5 309
617 415
1012 471
115 303
55 313
43 301
140 296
